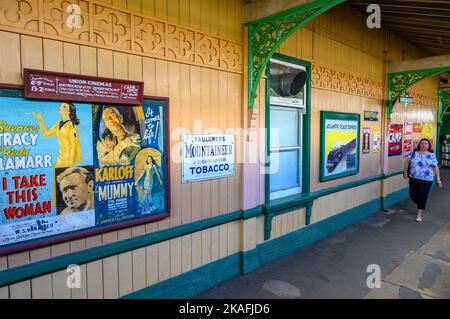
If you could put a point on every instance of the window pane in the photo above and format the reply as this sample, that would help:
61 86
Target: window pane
284 124
285 170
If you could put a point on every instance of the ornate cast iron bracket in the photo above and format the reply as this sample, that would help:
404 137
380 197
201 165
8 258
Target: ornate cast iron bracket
399 82
444 103
267 34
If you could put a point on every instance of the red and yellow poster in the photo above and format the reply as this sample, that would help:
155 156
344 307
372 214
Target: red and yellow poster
395 139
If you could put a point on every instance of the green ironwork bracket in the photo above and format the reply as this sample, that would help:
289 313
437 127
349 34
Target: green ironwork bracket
267 34
399 82
444 103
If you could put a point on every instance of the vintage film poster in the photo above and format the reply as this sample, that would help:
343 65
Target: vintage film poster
339 144
366 140
68 167
408 139
395 139
376 141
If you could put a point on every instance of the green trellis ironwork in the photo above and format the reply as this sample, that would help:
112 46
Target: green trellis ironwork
444 103
267 34
399 82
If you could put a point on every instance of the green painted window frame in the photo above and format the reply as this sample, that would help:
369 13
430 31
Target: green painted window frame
306 129
325 115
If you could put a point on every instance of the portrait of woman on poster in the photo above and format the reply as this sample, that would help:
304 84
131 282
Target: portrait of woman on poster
150 187
420 168
66 131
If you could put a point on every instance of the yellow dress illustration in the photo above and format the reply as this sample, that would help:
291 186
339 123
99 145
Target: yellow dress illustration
68 138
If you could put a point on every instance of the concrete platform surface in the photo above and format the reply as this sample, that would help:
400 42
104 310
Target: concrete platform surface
414 259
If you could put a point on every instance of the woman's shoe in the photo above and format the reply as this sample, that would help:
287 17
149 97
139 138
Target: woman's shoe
418 219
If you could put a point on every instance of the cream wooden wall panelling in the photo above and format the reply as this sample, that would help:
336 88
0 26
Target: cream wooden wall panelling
205 118
60 289
81 293
152 264
3 263
20 290
186 126
214 243
88 60
31 52
197 125
175 257
164 260
18 259
94 280
223 241
176 113
125 273
10 71
139 269
186 253
214 123
111 277
4 292
41 287
206 246
223 114
196 257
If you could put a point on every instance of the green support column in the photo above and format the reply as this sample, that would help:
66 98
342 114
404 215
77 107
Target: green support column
267 34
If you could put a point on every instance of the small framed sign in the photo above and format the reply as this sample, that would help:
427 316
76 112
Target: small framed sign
371 116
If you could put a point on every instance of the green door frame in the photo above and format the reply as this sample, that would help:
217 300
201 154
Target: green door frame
267 34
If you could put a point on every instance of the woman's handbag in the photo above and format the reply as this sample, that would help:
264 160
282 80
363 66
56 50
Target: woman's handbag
409 165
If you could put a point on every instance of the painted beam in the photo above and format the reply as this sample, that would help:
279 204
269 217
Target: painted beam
258 9
433 62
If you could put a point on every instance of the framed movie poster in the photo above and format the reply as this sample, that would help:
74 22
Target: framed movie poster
70 169
339 144
395 141
376 142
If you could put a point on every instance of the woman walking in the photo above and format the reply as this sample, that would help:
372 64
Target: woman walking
421 165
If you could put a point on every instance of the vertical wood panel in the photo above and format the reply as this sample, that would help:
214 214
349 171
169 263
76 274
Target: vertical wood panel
184 12
71 58
18 259
31 52
185 126
10 70
206 246
204 116
81 293
164 260
88 61
105 63
196 250
196 188
53 55
175 257
3 262
111 278
41 287
125 273
214 243
151 255
20 290
60 249
223 114
223 241
4 292
95 280
59 283
139 269
77 245
135 68
195 11
93 241
214 123
148 7
173 10
186 252
120 65
148 72
175 166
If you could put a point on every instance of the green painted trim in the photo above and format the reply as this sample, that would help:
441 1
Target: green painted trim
253 212
396 197
194 282
306 127
11 93
267 34
285 245
250 261
294 202
393 173
43 267
325 115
